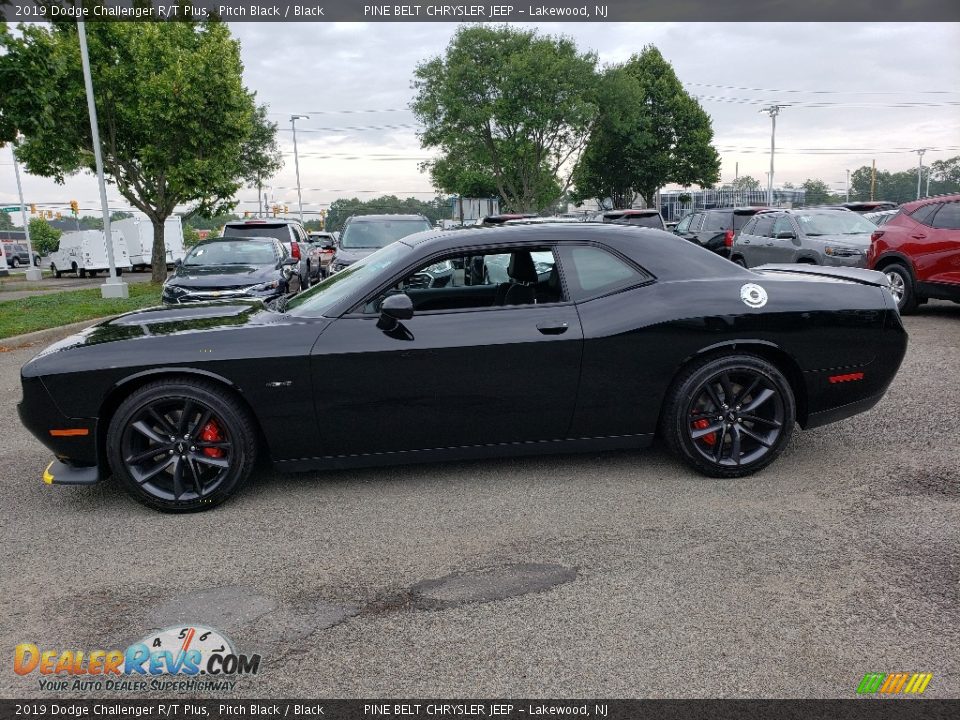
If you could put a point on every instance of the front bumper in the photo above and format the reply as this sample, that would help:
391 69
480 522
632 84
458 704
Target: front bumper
59 473
73 441
213 295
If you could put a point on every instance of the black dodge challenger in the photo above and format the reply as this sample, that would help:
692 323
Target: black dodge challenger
598 337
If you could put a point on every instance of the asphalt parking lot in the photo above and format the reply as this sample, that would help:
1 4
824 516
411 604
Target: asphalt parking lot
617 575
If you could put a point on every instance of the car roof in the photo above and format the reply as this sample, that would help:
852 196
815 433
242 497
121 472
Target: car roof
387 216
631 211
909 207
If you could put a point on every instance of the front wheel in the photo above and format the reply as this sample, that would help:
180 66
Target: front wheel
729 416
901 287
15 262
181 445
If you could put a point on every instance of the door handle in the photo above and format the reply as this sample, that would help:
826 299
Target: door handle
552 328
918 236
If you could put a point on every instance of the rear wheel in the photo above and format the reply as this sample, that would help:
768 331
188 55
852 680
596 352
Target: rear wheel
901 287
53 269
740 261
181 445
15 262
729 416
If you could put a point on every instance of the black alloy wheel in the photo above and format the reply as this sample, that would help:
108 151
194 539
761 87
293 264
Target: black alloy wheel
729 416
181 446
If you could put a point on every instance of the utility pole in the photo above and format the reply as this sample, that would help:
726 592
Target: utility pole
927 193
920 153
33 273
296 159
772 111
873 181
848 186
114 287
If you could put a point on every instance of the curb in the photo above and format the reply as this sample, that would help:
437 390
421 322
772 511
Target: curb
48 336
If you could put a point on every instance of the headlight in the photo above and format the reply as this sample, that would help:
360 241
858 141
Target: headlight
841 251
173 290
263 287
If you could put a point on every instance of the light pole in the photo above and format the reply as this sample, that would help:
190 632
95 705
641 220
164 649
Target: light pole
920 153
114 287
33 273
772 111
848 186
296 159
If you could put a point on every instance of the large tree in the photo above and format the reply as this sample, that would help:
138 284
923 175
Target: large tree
650 132
340 210
816 192
897 187
510 106
261 154
175 119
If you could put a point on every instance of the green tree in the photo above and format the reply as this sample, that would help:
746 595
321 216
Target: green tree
341 209
650 132
817 192
43 236
174 114
190 236
899 187
5 222
745 182
945 176
260 153
510 105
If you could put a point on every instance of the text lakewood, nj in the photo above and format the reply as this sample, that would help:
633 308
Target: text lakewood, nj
483 11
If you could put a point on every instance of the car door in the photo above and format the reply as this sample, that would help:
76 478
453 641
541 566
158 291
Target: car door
782 245
463 372
761 242
690 231
940 261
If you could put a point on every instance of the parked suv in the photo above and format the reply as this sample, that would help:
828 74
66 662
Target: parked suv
714 229
365 234
919 251
643 218
17 255
325 243
288 232
816 236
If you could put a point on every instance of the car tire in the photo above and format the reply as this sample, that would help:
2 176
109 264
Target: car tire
56 273
82 273
901 287
119 271
15 263
739 261
728 416
36 261
185 474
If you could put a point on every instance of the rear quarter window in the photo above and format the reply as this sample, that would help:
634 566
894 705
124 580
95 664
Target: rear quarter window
717 221
592 272
925 214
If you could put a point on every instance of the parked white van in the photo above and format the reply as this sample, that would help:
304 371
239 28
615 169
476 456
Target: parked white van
85 252
138 234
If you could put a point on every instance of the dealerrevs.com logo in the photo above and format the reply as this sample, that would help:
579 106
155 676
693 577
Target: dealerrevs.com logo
894 683
193 658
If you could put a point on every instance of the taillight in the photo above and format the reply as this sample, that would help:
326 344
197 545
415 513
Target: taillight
295 250
728 239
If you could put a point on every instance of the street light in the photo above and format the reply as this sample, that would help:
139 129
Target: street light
772 111
114 287
296 159
33 273
919 152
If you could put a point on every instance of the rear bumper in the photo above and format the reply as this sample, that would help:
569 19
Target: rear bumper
825 417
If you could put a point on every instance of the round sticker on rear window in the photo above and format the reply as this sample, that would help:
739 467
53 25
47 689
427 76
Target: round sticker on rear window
753 295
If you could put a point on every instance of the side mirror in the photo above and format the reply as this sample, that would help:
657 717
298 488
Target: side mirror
786 236
394 309
178 262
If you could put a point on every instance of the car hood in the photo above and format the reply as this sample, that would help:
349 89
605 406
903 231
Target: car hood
348 256
167 320
860 240
221 276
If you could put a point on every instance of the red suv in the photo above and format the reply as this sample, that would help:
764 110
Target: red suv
919 251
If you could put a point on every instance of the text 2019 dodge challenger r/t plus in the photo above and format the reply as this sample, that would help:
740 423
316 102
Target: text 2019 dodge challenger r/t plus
599 336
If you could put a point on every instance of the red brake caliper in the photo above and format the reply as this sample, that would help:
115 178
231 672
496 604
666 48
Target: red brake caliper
211 433
710 438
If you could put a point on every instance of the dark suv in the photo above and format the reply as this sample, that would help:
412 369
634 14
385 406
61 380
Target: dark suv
365 234
815 236
288 232
918 250
714 229
17 255
643 218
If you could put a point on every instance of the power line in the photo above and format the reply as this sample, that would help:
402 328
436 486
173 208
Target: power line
829 92
342 112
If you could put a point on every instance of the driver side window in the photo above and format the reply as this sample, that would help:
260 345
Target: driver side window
469 281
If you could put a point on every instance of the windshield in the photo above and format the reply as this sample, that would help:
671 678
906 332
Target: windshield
379 233
834 223
319 299
236 252
278 232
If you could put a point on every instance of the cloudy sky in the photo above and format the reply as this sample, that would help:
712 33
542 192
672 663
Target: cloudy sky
843 82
